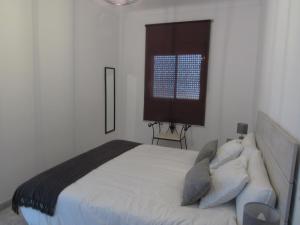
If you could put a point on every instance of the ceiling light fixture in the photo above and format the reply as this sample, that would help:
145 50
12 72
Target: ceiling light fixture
121 2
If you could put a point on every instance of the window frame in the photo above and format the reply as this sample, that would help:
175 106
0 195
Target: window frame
176 77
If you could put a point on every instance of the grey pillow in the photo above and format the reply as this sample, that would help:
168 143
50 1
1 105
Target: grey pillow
208 151
197 183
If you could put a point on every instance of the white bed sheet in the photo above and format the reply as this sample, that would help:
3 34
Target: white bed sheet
141 187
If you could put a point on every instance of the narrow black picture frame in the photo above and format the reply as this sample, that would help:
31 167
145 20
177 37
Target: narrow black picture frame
114 98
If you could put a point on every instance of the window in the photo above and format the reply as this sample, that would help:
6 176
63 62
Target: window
177 76
176 72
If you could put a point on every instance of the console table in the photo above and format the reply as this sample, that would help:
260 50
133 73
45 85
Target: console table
171 134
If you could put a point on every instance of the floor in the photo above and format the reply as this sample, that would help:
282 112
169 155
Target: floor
8 217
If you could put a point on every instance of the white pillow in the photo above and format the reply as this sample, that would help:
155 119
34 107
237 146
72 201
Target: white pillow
259 188
248 151
229 151
227 182
249 141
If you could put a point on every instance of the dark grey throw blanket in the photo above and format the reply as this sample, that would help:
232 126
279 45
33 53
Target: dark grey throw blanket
41 192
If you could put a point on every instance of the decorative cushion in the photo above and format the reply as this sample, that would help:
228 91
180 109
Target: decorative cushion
227 182
249 141
197 183
229 151
208 151
259 188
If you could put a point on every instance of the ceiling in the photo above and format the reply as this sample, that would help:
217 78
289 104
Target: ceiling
152 4
145 4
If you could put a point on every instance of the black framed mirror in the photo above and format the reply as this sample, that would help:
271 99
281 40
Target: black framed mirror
110 99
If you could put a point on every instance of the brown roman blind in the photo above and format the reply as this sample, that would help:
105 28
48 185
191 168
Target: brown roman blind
176 72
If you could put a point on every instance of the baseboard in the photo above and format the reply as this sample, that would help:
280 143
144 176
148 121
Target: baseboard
4 205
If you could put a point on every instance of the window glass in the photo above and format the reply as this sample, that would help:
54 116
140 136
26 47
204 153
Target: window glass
164 76
188 76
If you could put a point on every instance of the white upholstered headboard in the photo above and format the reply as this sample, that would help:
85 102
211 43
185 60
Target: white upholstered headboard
280 152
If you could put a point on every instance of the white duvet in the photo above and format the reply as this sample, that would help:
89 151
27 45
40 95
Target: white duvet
141 187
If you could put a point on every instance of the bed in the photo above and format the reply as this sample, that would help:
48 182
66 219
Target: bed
148 191
144 186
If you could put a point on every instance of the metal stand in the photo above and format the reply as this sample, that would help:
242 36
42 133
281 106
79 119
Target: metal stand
171 134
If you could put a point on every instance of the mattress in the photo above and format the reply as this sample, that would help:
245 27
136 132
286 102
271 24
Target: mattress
141 187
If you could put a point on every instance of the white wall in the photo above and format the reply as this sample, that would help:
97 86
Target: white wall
54 80
36 128
52 55
232 70
279 83
17 125
96 46
278 86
